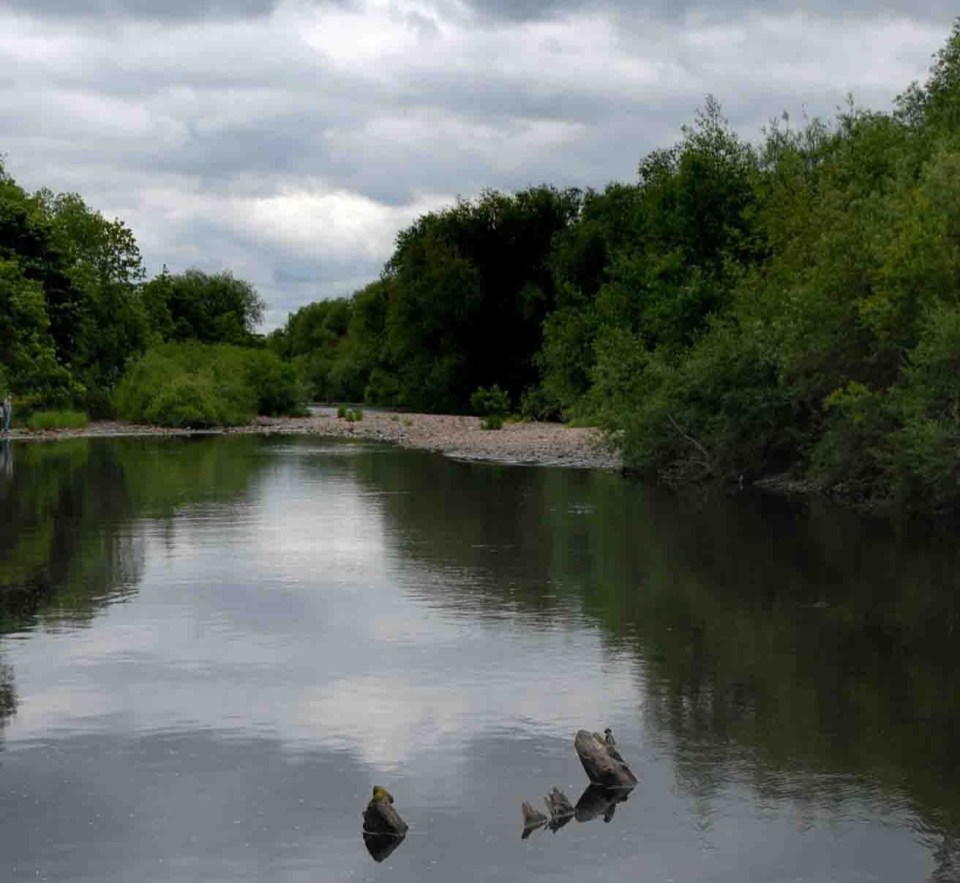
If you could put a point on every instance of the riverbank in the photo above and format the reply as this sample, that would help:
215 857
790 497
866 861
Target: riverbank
540 444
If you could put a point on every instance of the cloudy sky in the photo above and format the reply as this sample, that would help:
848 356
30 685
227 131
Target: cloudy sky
289 140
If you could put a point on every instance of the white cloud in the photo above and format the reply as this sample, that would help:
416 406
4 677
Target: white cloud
325 222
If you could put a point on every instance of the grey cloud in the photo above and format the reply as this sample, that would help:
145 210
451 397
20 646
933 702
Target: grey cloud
489 10
151 9
286 281
157 10
538 10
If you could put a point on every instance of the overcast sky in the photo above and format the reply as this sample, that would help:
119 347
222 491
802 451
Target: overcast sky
290 140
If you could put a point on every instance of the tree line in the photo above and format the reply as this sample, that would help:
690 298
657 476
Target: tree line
790 306
741 309
77 314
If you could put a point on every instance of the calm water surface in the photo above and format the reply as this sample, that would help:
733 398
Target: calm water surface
211 650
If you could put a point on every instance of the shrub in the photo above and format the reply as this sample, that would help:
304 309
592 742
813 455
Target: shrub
491 421
849 452
490 401
536 404
204 385
41 420
351 415
194 401
274 383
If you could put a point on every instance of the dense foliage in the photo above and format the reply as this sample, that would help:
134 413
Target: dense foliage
199 306
461 304
791 306
75 313
198 385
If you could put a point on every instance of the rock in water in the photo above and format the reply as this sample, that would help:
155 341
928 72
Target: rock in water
612 746
380 817
602 762
559 805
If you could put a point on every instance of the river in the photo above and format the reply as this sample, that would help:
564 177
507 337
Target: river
212 649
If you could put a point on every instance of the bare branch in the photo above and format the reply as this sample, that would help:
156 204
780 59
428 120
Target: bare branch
707 458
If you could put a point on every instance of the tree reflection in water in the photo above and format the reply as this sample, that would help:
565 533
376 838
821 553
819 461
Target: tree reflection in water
6 459
69 542
796 648
8 695
799 651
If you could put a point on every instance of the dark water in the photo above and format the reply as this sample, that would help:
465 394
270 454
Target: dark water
211 650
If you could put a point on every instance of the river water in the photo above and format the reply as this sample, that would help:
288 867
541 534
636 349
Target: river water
212 649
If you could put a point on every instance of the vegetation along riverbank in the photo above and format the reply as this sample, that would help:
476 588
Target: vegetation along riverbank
787 308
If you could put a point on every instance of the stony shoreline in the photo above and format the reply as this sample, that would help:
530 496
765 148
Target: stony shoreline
540 444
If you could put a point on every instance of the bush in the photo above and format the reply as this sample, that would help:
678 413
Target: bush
41 420
195 402
351 415
537 404
848 455
490 401
491 421
203 385
274 383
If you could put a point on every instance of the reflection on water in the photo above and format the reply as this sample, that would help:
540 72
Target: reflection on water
6 459
381 846
210 650
8 696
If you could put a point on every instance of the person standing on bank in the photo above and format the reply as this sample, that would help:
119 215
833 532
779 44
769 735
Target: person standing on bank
5 411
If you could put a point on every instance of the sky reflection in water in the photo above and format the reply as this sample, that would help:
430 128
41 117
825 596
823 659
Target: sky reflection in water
221 645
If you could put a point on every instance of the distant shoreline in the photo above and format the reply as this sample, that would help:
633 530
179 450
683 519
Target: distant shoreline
538 444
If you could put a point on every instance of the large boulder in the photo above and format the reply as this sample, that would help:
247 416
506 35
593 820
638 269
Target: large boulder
602 762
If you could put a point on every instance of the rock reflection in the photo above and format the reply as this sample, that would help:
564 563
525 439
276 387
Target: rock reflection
599 801
380 846
533 819
561 809
595 801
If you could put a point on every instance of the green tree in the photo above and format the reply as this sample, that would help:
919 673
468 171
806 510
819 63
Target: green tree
470 289
108 320
210 308
203 385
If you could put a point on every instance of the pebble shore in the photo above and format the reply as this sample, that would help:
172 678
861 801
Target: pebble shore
540 444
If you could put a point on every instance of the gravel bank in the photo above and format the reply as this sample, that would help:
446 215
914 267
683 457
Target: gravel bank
542 444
